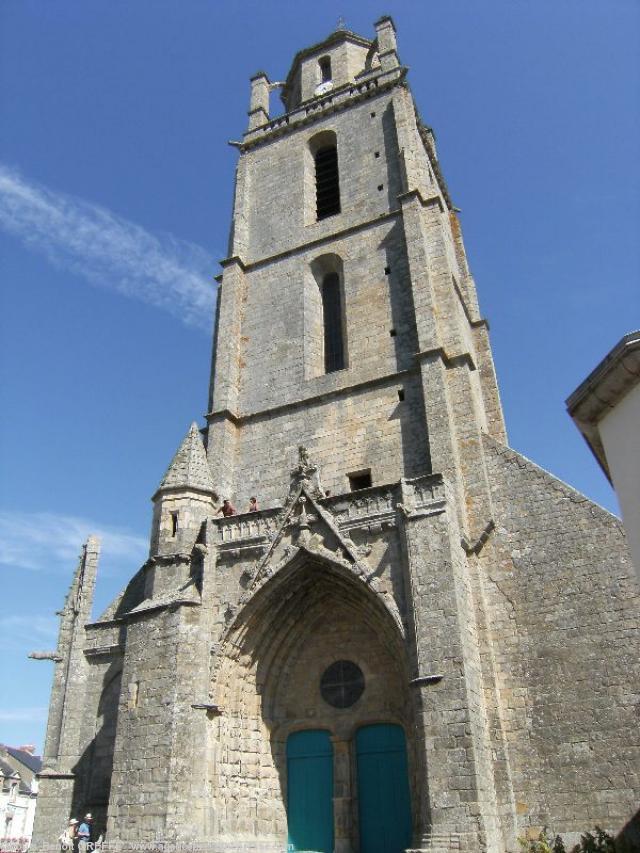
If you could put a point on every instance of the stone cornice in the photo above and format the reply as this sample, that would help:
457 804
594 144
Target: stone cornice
224 414
174 490
100 651
106 623
172 558
479 324
231 260
322 396
318 108
49 773
151 606
248 266
430 201
447 359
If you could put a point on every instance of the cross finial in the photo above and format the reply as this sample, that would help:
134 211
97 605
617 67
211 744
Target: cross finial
341 23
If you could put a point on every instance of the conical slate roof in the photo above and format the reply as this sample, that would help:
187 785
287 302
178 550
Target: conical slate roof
189 468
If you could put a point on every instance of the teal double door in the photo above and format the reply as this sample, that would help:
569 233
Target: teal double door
384 807
384 810
310 791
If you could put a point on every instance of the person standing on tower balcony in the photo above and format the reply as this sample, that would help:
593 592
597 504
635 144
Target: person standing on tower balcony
227 508
253 504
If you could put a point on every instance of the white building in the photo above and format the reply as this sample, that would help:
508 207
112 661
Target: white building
606 410
18 792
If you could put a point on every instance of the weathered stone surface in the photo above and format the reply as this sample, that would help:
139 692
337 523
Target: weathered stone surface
491 609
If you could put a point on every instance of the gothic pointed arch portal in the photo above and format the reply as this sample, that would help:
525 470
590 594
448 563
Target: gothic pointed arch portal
315 649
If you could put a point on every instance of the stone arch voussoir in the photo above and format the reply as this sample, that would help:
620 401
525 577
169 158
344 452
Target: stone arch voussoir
276 583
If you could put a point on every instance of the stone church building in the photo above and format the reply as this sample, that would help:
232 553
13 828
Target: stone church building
420 640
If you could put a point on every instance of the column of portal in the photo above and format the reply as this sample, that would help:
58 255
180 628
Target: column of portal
342 795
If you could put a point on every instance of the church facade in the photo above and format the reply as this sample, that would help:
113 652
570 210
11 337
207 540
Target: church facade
419 640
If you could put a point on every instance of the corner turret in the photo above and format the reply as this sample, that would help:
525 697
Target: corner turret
259 104
185 497
386 43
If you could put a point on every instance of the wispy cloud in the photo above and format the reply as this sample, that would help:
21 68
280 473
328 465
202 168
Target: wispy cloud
107 250
44 541
21 633
23 715
38 627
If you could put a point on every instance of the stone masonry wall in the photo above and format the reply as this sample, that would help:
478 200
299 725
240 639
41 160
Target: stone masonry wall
461 802
277 175
142 762
370 429
564 620
347 428
273 329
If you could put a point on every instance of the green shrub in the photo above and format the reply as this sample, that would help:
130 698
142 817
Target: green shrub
601 842
542 844
598 841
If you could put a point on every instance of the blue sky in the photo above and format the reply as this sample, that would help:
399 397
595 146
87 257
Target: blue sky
115 190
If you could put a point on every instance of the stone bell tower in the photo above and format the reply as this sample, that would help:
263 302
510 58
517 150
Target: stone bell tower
374 660
348 322
344 237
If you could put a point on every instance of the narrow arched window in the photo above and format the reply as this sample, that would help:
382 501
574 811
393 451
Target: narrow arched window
326 345
325 69
327 182
332 322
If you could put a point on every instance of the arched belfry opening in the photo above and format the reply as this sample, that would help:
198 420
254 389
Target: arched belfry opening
325 317
313 658
372 59
324 168
324 65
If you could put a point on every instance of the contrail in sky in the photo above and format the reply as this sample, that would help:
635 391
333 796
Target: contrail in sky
109 251
46 541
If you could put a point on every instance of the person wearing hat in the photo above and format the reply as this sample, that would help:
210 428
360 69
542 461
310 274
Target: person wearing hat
84 834
68 835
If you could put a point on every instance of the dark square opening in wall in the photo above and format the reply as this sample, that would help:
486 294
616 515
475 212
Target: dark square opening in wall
359 480
377 154
387 270
401 394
